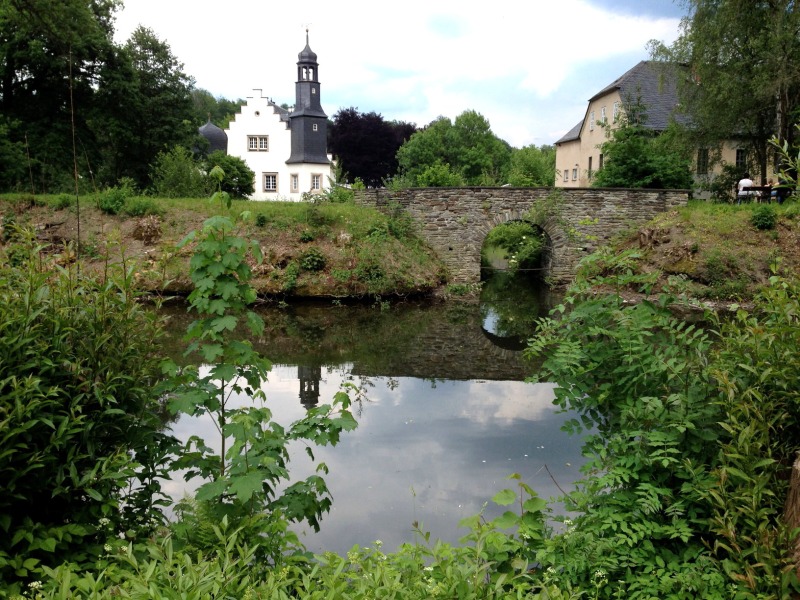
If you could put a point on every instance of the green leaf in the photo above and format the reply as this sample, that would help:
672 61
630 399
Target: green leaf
506 520
534 505
505 497
244 486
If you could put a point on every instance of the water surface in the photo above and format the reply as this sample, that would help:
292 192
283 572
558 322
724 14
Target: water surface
446 414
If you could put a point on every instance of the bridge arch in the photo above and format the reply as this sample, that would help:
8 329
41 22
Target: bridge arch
455 221
549 228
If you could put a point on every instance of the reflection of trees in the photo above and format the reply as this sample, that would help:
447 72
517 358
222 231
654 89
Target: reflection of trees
515 301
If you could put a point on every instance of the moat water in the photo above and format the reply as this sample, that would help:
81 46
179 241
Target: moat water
445 416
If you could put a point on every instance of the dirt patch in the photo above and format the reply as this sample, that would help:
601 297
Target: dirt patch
299 259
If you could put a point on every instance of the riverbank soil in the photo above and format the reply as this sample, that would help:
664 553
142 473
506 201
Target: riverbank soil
333 250
714 252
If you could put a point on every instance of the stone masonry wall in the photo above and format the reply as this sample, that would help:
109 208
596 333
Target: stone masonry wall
455 221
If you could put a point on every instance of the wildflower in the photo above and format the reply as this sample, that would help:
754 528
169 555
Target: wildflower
35 585
104 522
600 576
107 548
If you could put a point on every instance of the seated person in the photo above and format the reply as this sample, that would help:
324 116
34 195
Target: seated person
741 194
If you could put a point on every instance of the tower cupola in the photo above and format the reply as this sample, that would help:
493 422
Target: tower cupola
308 122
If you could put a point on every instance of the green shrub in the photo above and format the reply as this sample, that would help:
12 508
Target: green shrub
261 220
764 217
312 260
176 174
112 201
307 236
142 207
78 413
63 201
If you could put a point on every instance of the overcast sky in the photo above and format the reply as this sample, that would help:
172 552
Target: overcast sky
529 67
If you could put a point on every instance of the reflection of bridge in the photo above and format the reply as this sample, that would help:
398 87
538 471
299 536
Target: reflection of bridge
426 341
455 221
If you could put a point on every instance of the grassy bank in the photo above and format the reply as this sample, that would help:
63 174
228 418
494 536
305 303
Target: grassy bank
310 250
717 252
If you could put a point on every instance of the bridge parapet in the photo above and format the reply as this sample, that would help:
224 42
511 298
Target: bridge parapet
455 221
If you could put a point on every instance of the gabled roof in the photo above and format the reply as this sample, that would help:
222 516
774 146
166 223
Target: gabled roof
656 83
572 134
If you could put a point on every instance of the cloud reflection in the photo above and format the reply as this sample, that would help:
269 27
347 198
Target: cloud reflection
433 453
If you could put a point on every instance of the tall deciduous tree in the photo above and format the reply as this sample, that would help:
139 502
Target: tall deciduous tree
533 167
220 110
467 146
161 113
51 54
365 145
638 157
744 60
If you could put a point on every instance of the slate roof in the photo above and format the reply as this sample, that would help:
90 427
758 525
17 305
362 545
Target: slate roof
657 84
217 138
572 134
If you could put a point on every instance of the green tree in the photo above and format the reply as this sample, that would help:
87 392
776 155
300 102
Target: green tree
161 110
220 110
51 54
13 171
533 167
638 157
744 59
176 174
238 179
467 146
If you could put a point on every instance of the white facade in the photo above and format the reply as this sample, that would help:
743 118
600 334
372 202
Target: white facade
261 137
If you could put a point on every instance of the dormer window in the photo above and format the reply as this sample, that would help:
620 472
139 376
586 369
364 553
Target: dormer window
315 127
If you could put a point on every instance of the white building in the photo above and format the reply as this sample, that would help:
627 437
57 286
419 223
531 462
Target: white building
287 150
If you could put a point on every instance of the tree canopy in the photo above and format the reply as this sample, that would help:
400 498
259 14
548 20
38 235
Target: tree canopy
61 66
742 56
635 156
365 145
466 148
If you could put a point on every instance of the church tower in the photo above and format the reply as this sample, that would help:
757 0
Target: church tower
308 122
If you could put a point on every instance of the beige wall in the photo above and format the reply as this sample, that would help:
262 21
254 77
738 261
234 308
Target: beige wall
572 157
577 157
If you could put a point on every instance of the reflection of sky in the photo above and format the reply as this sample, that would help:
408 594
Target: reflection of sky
432 452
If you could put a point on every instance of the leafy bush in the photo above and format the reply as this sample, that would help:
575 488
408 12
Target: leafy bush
112 201
521 241
261 220
63 201
78 413
764 217
142 207
307 236
239 179
312 260
176 174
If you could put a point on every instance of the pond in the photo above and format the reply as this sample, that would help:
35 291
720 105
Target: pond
445 418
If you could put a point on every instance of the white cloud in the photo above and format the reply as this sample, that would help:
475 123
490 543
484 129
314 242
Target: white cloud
412 63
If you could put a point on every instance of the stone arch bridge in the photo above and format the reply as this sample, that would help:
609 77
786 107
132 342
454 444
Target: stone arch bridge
455 221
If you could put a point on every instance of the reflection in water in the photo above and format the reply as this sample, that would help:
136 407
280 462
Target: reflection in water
432 452
510 305
447 415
